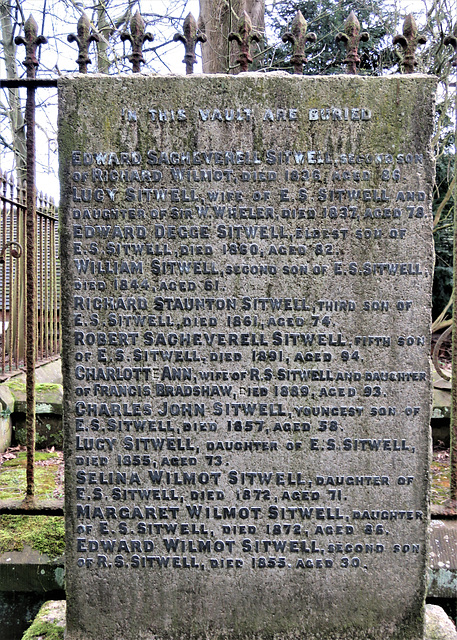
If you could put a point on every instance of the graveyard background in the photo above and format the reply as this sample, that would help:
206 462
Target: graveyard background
46 536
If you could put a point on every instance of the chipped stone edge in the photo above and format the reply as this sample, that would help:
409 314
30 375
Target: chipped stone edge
438 625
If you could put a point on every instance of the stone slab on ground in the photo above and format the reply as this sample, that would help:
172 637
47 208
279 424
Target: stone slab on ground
48 380
30 571
6 409
443 559
50 372
48 396
48 407
13 398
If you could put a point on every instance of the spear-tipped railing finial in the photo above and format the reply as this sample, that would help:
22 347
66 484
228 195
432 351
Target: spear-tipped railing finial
298 37
244 37
409 42
83 37
31 40
137 37
352 38
190 36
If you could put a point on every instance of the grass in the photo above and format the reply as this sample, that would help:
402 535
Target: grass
43 387
49 623
21 459
13 476
43 533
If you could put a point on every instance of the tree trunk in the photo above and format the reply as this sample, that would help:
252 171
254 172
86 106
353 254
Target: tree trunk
104 28
15 115
220 17
106 25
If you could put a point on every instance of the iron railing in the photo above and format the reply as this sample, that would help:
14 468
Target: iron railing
13 210
36 234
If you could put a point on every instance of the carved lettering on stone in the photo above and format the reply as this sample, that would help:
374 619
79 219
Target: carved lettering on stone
246 271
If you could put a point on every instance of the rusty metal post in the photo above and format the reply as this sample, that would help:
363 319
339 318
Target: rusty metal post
351 39
31 41
452 41
3 183
298 37
409 42
190 36
244 37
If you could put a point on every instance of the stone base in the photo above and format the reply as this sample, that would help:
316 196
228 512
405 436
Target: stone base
50 623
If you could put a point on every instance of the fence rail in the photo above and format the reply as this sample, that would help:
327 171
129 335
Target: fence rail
13 211
15 234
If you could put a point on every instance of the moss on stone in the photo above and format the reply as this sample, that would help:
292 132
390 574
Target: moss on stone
49 623
16 385
44 631
45 534
47 386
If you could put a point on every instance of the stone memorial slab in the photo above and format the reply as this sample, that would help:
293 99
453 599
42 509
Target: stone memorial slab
246 269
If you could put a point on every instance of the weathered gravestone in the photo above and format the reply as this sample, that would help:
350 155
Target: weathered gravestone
246 274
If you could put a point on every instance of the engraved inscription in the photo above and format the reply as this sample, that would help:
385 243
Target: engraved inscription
247 343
